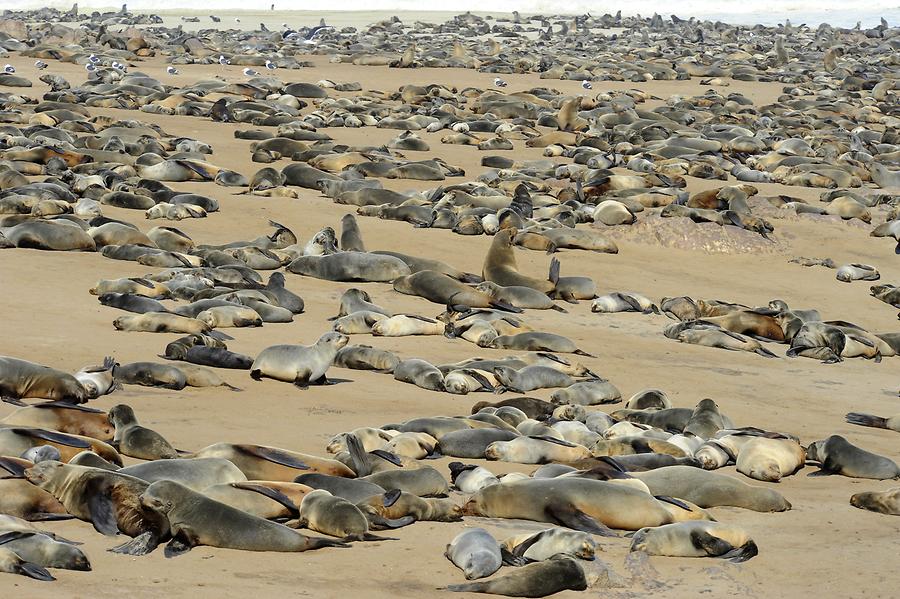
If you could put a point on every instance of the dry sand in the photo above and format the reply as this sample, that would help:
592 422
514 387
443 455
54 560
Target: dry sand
823 546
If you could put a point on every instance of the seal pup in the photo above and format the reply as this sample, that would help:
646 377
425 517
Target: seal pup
301 365
475 552
884 502
13 564
136 441
98 380
195 520
696 539
40 549
838 456
396 506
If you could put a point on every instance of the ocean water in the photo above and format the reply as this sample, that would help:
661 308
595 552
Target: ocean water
767 12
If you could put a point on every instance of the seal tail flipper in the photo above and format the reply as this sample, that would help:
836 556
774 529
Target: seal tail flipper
559 309
391 523
765 353
469 587
142 544
230 387
866 420
747 551
510 559
580 352
506 307
34 571
370 537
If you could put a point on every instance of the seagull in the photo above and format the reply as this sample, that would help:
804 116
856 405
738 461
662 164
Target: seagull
93 58
40 65
116 65
250 72
9 69
171 70
223 60
90 67
271 65
586 84
499 82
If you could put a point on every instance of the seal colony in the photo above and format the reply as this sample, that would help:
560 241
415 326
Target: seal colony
552 150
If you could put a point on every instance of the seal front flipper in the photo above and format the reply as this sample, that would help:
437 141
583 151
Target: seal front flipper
53 437
673 501
572 517
271 454
358 456
391 497
743 553
713 546
179 545
387 456
34 571
142 544
103 512
272 494
379 523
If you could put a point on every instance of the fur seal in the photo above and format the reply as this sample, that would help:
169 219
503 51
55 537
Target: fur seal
351 237
350 266
884 502
475 552
543 545
419 373
21 499
396 505
22 379
696 539
64 417
500 265
40 549
108 500
136 441
259 462
581 504
534 580
334 516
160 322
364 357
13 564
836 455
709 489
198 520
98 380
519 296
301 365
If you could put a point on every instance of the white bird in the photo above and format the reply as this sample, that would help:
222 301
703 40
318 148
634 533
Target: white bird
116 65
40 64
499 82
271 65
171 70
223 60
93 58
250 72
586 84
90 67
9 69
461 127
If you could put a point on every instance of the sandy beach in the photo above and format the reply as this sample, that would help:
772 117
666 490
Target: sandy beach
822 546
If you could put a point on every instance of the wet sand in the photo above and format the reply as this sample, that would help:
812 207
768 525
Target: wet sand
823 546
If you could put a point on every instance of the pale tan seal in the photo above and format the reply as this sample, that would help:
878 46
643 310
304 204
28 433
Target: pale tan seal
696 539
299 364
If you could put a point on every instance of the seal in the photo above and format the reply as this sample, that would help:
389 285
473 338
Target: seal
534 580
580 504
194 473
64 417
543 545
18 440
351 237
419 373
98 380
160 322
475 552
885 502
536 450
500 265
150 374
136 441
518 296
350 266
266 499
538 342
706 420
301 365
443 289
21 499
22 379
322 512
108 500
696 539
469 478
836 455
38 548
364 357
198 520
423 482
259 462
11 563
709 489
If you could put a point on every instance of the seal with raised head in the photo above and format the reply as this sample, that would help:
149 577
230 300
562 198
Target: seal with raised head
198 520
299 364
836 455
500 265
136 441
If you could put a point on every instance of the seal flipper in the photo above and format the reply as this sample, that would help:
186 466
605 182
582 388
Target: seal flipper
390 523
511 559
14 401
358 456
53 437
14 468
713 546
273 494
179 545
391 497
554 271
34 571
866 420
387 456
102 511
572 517
271 454
142 544
673 501
49 517
743 553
